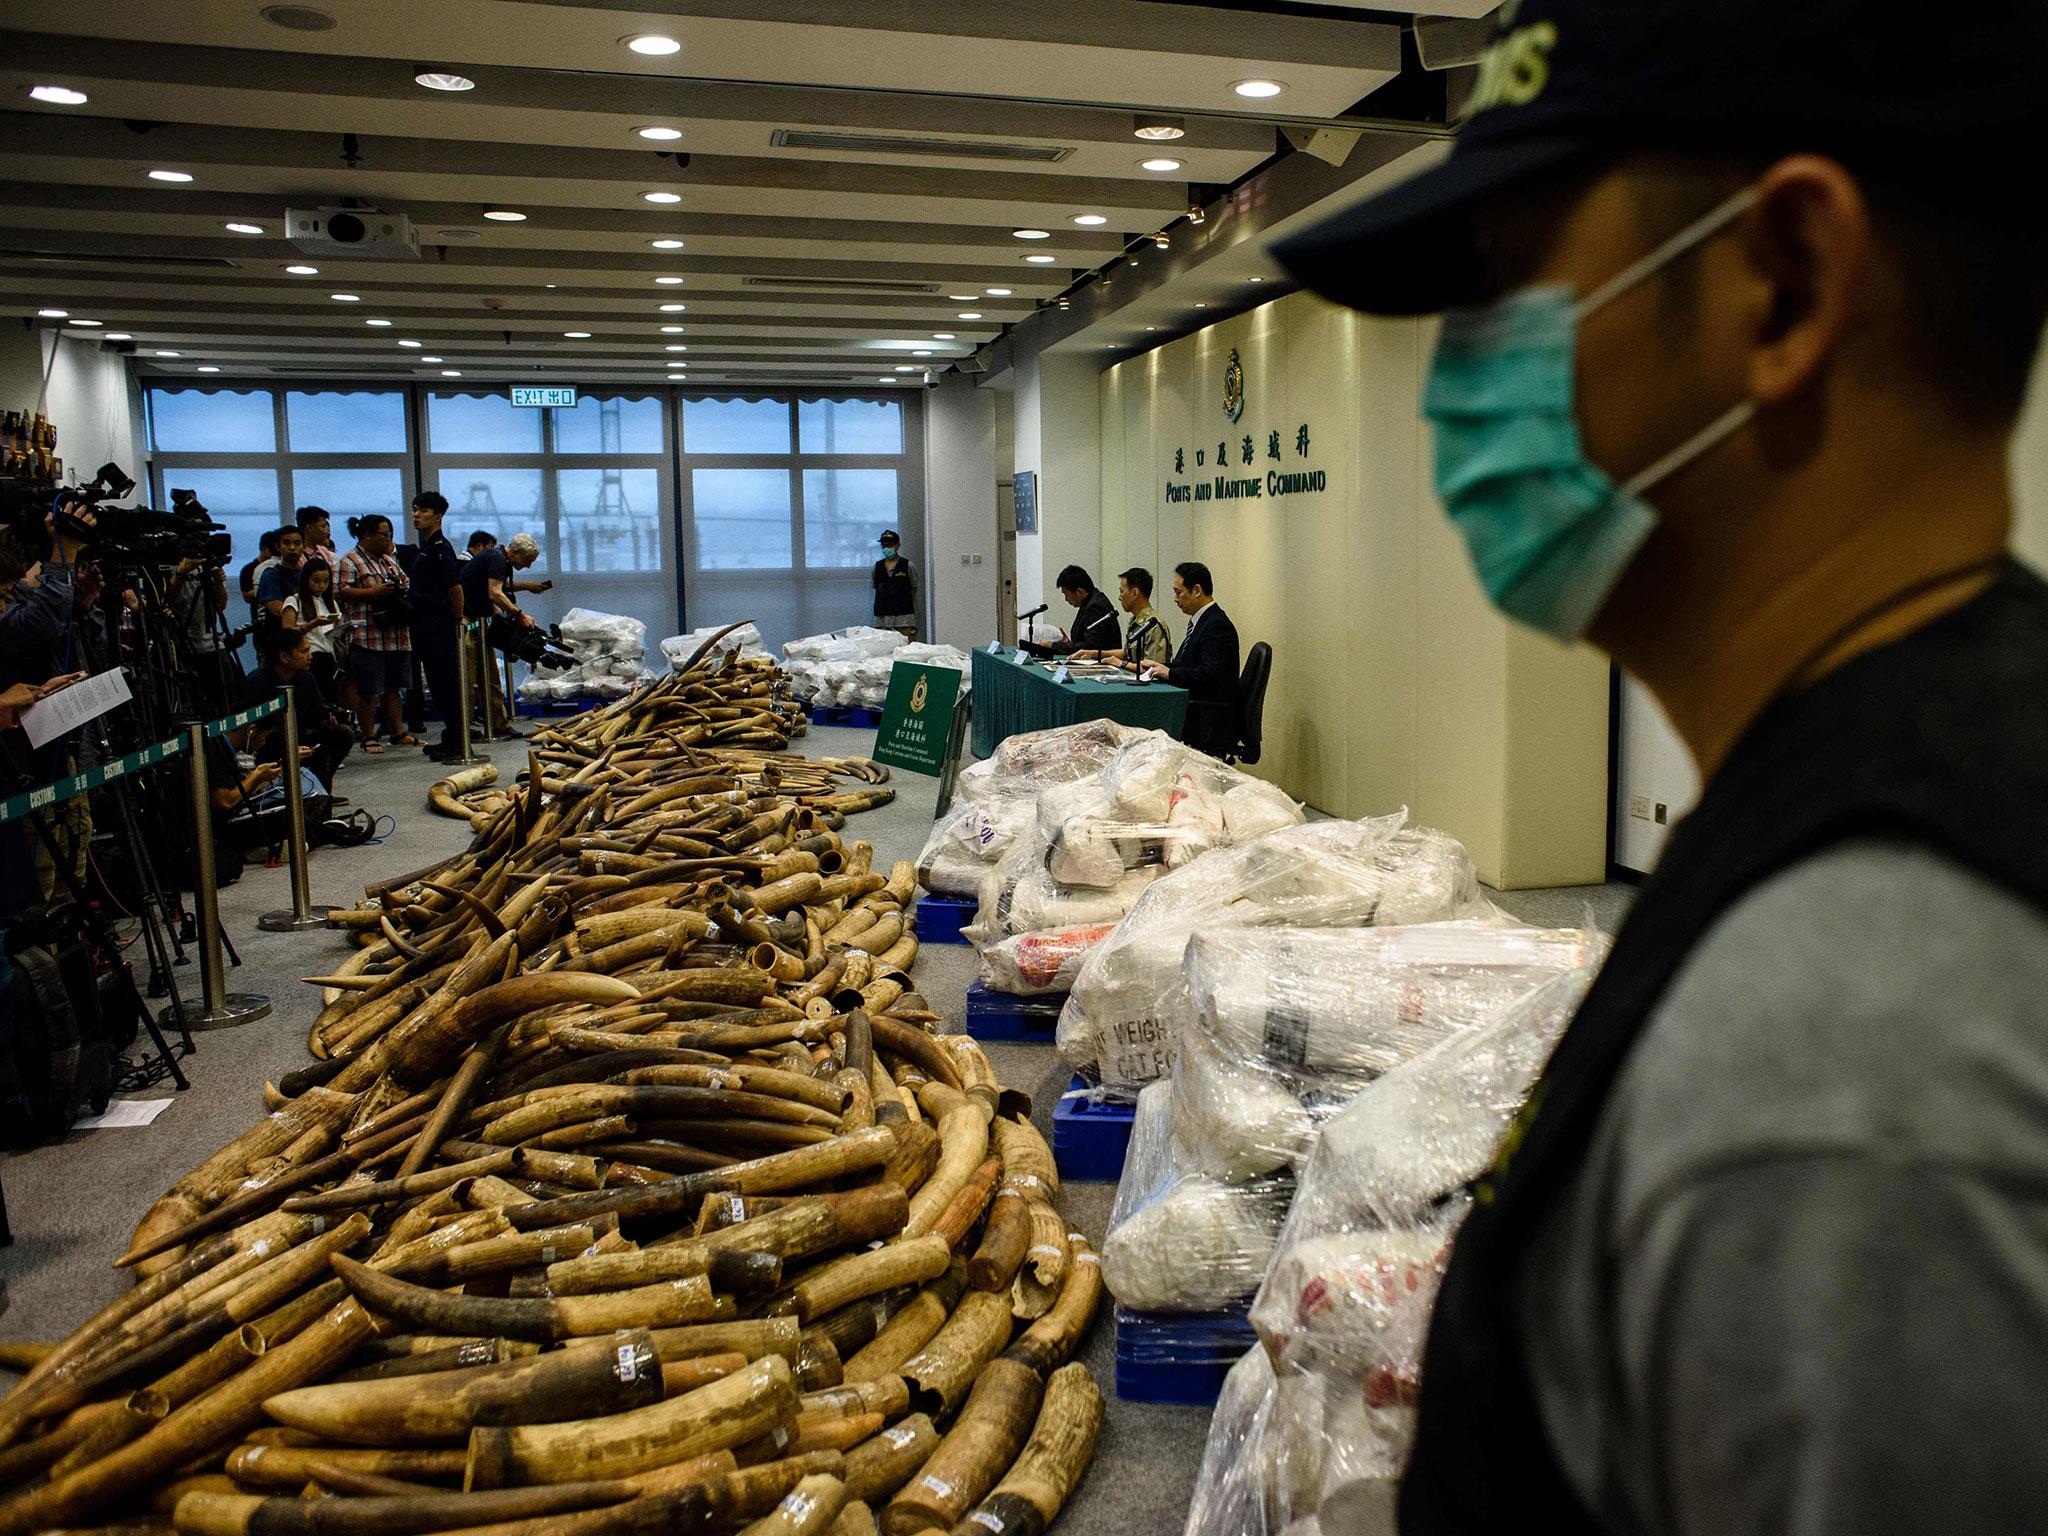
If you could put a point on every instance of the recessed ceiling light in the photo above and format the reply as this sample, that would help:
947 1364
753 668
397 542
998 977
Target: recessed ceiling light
504 216
666 245
963 298
58 95
550 285
970 314
653 44
668 282
1151 327
1200 305
430 359
244 229
998 293
208 368
1041 261
577 335
377 322
675 347
117 336
920 354
1258 89
451 373
409 343
301 270
885 379
1158 128
673 309
672 330
661 197
346 298
88 323
1160 163
659 135
943 336
1091 219
906 367
443 80
170 354
1030 234
179 176
53 314
298 18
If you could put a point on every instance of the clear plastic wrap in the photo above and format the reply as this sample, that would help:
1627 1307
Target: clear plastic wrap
1180 1241
1130 1001
828 669
1031 964
678 649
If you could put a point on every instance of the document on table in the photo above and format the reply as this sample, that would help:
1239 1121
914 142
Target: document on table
69 708
124 1112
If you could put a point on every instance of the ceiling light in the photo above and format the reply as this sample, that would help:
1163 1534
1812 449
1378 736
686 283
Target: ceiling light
1157 127
88 323
58 95
549 285
178 176
1030 234
1255 279
1091 219
1160 164
666 245
660 135
920 354
963 298
906 368
376 322
1151 327
672 330
298 18
661 197
885 379
1161 240
451 373
675 347
346 298
431 359
504 216
653 44
1041 261
1258 89
53 314
244 229
668 282
673 309
117 336
970 314
208 368
1200 305
577 335
998 293
301 270
443 80
409 343
170 354
943 336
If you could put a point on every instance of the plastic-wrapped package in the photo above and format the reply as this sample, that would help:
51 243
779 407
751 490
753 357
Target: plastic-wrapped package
826 669
1290 1023
1030 964
1230 1490
967 842
615 633
1180 1241
1130 1000
680 648
1254 808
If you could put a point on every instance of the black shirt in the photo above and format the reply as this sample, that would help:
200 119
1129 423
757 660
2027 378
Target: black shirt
264 683
434 575
478 571
895 591
1095 626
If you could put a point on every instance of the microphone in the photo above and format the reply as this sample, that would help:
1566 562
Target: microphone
1025 618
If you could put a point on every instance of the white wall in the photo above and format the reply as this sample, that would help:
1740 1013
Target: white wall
85 392
1059 437
960 558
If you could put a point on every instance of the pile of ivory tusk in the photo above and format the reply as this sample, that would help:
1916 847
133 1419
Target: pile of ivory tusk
630 1192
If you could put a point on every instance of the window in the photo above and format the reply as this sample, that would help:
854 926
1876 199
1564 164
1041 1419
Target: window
850 426
735 426
609 426
481 424
346 421
846 511
742 519
347 493
213 421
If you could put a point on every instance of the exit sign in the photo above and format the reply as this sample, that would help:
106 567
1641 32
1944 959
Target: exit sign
543 394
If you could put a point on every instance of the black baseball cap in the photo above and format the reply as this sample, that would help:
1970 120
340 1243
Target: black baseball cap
888 537
1941 107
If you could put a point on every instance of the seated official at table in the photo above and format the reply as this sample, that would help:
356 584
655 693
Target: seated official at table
1206 663
1146 637
1094 623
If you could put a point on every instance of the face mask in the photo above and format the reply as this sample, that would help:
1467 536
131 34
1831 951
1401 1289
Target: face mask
1550 532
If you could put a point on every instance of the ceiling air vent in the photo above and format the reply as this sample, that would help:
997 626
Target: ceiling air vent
838 284
110 258
893 144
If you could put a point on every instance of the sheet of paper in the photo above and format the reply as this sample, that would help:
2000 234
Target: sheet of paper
124 1112
69 708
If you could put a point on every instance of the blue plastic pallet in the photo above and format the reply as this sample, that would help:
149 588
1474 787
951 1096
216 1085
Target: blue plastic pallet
1174 1357
1002 1016
1089 1139
940 919
854 715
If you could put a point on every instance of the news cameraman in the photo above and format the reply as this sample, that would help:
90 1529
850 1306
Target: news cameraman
199 603
487 593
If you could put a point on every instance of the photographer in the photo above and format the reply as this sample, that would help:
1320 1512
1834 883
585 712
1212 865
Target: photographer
252 573
374 599
199 601
487 588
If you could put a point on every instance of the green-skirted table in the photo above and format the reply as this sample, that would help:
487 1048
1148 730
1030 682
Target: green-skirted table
1014 694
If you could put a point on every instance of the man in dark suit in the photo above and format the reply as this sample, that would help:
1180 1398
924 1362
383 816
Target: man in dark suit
1095 627
1206 663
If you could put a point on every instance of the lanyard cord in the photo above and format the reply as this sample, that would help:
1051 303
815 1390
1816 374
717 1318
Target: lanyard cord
1877 610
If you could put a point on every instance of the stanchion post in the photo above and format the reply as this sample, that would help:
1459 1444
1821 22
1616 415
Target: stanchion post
300 917
218 1007
463 689
511 698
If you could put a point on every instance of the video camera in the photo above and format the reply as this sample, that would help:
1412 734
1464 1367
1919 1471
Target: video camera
140 536
535 646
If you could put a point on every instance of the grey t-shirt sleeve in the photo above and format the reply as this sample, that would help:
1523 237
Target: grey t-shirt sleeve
1801 1284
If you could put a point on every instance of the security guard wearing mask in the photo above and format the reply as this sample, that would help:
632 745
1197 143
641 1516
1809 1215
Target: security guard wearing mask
1741 302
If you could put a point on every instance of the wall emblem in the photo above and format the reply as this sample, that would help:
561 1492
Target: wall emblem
1233 387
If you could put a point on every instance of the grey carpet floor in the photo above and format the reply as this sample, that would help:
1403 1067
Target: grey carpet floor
73 1204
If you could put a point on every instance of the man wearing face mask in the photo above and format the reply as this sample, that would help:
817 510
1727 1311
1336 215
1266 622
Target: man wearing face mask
1739 316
